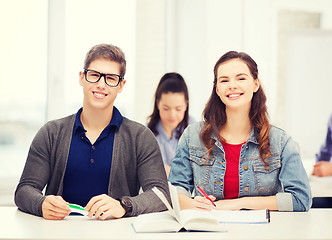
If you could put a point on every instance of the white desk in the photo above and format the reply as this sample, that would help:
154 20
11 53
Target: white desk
315 224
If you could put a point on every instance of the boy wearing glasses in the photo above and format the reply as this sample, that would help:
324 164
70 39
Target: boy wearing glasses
95 158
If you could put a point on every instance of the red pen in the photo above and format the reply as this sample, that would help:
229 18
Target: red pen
205 195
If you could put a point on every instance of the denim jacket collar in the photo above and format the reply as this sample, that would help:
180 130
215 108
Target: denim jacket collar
252 138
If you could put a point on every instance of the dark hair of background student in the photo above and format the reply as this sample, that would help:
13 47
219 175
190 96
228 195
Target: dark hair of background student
174 83
215 117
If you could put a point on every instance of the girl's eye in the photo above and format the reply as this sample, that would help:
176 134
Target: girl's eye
242 79
223 81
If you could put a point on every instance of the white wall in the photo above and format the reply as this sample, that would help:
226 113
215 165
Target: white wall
308 88
207 29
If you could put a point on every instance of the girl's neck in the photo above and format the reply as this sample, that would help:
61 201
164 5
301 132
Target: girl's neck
168 130
237 128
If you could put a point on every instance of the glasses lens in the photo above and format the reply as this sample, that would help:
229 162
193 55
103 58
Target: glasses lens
112 80
92 76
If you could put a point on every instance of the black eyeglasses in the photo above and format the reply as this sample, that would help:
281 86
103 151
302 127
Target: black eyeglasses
93 76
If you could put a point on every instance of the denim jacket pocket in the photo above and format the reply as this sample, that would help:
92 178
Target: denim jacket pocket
267 177
201 165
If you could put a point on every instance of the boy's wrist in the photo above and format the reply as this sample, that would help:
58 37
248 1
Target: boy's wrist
127 206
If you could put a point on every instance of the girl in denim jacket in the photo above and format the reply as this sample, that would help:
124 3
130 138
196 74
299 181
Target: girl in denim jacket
235 155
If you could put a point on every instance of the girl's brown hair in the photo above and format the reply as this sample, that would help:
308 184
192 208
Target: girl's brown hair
215 117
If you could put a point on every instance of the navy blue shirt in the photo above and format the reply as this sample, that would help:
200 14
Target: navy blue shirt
88 167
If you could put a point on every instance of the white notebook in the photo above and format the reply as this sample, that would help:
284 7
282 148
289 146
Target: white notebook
243 216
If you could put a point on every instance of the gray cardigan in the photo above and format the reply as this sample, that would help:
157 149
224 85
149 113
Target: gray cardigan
136 163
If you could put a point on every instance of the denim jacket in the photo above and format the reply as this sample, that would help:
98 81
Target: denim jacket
284 176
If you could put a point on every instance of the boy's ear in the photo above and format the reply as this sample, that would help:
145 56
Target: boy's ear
81 78
122 83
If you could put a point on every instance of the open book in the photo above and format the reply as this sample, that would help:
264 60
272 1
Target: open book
175 219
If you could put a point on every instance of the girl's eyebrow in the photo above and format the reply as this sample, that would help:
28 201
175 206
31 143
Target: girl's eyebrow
241 74
237 75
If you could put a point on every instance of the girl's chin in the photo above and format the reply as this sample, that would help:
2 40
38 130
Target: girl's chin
171 125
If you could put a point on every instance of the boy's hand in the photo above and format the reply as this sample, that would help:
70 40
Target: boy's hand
55 208
103 206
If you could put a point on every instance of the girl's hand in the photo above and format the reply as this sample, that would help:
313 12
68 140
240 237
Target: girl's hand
202 203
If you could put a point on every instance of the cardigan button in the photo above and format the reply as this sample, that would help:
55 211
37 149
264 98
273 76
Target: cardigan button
246 189
245 167
92 160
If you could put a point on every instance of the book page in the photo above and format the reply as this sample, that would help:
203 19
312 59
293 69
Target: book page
156 222
164 200
175 200
190 219
188 215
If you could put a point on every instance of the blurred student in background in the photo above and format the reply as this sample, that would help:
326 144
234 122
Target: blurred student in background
235 155
323 166
170 115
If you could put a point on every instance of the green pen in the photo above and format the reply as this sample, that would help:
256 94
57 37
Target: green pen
77 209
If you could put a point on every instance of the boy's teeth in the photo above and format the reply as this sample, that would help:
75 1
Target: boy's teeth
99 94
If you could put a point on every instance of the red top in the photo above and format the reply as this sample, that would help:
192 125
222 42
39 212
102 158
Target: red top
231 178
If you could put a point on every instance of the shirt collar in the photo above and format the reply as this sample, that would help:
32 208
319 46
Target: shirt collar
78 124
252 138
116 120
162 132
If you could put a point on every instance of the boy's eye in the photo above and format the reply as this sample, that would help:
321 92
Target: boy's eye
94 75
111 78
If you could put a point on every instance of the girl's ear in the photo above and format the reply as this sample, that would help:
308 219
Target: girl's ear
157 103
257 84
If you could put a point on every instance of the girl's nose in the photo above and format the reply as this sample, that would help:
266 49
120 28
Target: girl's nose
232 84
173 112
